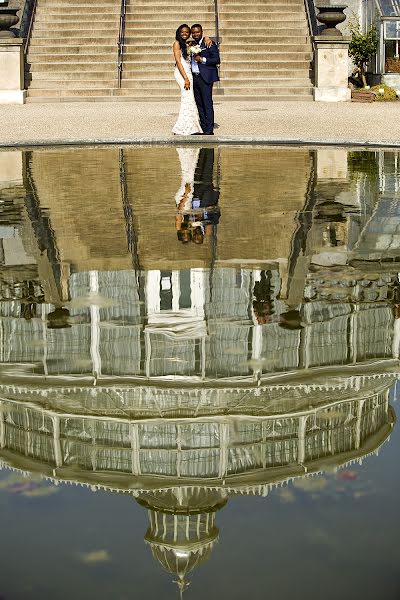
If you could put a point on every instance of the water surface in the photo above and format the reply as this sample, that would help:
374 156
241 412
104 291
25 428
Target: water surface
199 357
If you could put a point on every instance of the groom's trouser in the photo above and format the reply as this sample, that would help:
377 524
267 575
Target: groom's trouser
203 96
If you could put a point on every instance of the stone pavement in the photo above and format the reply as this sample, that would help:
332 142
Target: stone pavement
264 121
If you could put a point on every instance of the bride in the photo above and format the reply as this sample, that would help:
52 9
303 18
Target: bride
188 122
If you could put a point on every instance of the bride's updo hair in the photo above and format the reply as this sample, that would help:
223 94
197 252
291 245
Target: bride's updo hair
181 41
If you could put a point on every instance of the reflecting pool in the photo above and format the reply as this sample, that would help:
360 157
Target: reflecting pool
199 364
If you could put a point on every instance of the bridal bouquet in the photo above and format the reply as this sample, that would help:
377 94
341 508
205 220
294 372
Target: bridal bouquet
194 50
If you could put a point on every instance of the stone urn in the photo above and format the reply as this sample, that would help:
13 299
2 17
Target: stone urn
331 15
8 18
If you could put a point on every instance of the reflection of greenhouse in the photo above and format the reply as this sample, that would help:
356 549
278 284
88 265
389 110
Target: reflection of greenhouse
184 469
233 446
190 330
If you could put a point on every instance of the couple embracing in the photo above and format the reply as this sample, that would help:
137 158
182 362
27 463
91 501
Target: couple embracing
195 72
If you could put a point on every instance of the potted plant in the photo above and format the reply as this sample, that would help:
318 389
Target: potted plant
363 46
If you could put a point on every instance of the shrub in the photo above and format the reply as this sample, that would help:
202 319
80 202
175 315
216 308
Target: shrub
389 93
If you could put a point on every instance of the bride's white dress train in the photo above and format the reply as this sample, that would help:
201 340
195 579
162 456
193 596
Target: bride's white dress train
188 121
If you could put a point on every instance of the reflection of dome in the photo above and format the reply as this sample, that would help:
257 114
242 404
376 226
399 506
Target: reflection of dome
181 562
182 529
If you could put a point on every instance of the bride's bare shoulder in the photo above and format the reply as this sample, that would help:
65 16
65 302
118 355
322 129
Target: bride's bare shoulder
175 44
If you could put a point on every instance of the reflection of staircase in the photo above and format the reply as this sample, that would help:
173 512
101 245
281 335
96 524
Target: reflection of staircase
265 49
73 50
150 32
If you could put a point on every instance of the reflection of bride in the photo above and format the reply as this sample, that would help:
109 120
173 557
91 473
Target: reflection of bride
188 158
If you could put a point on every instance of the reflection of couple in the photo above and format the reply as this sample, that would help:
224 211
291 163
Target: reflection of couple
195 72
197 199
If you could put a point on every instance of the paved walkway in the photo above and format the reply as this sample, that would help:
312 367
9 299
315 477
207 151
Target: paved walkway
371 124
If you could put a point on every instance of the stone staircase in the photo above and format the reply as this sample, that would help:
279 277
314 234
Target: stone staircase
265 49
150 32
73 52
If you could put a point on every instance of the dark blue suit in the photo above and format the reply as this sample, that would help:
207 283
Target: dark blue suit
203 86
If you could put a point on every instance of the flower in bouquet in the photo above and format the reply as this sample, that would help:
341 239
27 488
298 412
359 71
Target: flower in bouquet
194 50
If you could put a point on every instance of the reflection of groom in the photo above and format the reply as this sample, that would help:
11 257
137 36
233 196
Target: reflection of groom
205 196
205 73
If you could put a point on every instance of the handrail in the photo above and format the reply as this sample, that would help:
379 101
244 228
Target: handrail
217 40
121 41
29 34
312 19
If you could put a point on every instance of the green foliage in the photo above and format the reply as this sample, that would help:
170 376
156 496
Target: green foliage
389 93
363 46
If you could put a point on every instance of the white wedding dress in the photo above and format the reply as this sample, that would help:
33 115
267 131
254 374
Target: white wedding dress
188 121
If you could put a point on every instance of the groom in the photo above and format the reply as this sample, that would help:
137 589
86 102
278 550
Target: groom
204 69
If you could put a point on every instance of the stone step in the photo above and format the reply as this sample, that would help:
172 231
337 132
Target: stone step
54 20
49 58
264 13
166 94
81 27
131 69
77 84
278 97
71 93
262 42
234 57
283 68
195 4
222 5
151 43
264 83
172 92
110 97
179 8
77 75
267 73
75 11
256 41
82 34
172 13
178 3
168 31
263 93
69 67
262 49
282 50
66 51
65 43
188 17
93 4
283 28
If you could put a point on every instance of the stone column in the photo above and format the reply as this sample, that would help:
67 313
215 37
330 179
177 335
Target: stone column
12 71
331 69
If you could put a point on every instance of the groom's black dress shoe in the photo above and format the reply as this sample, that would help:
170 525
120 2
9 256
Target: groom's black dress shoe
210 133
